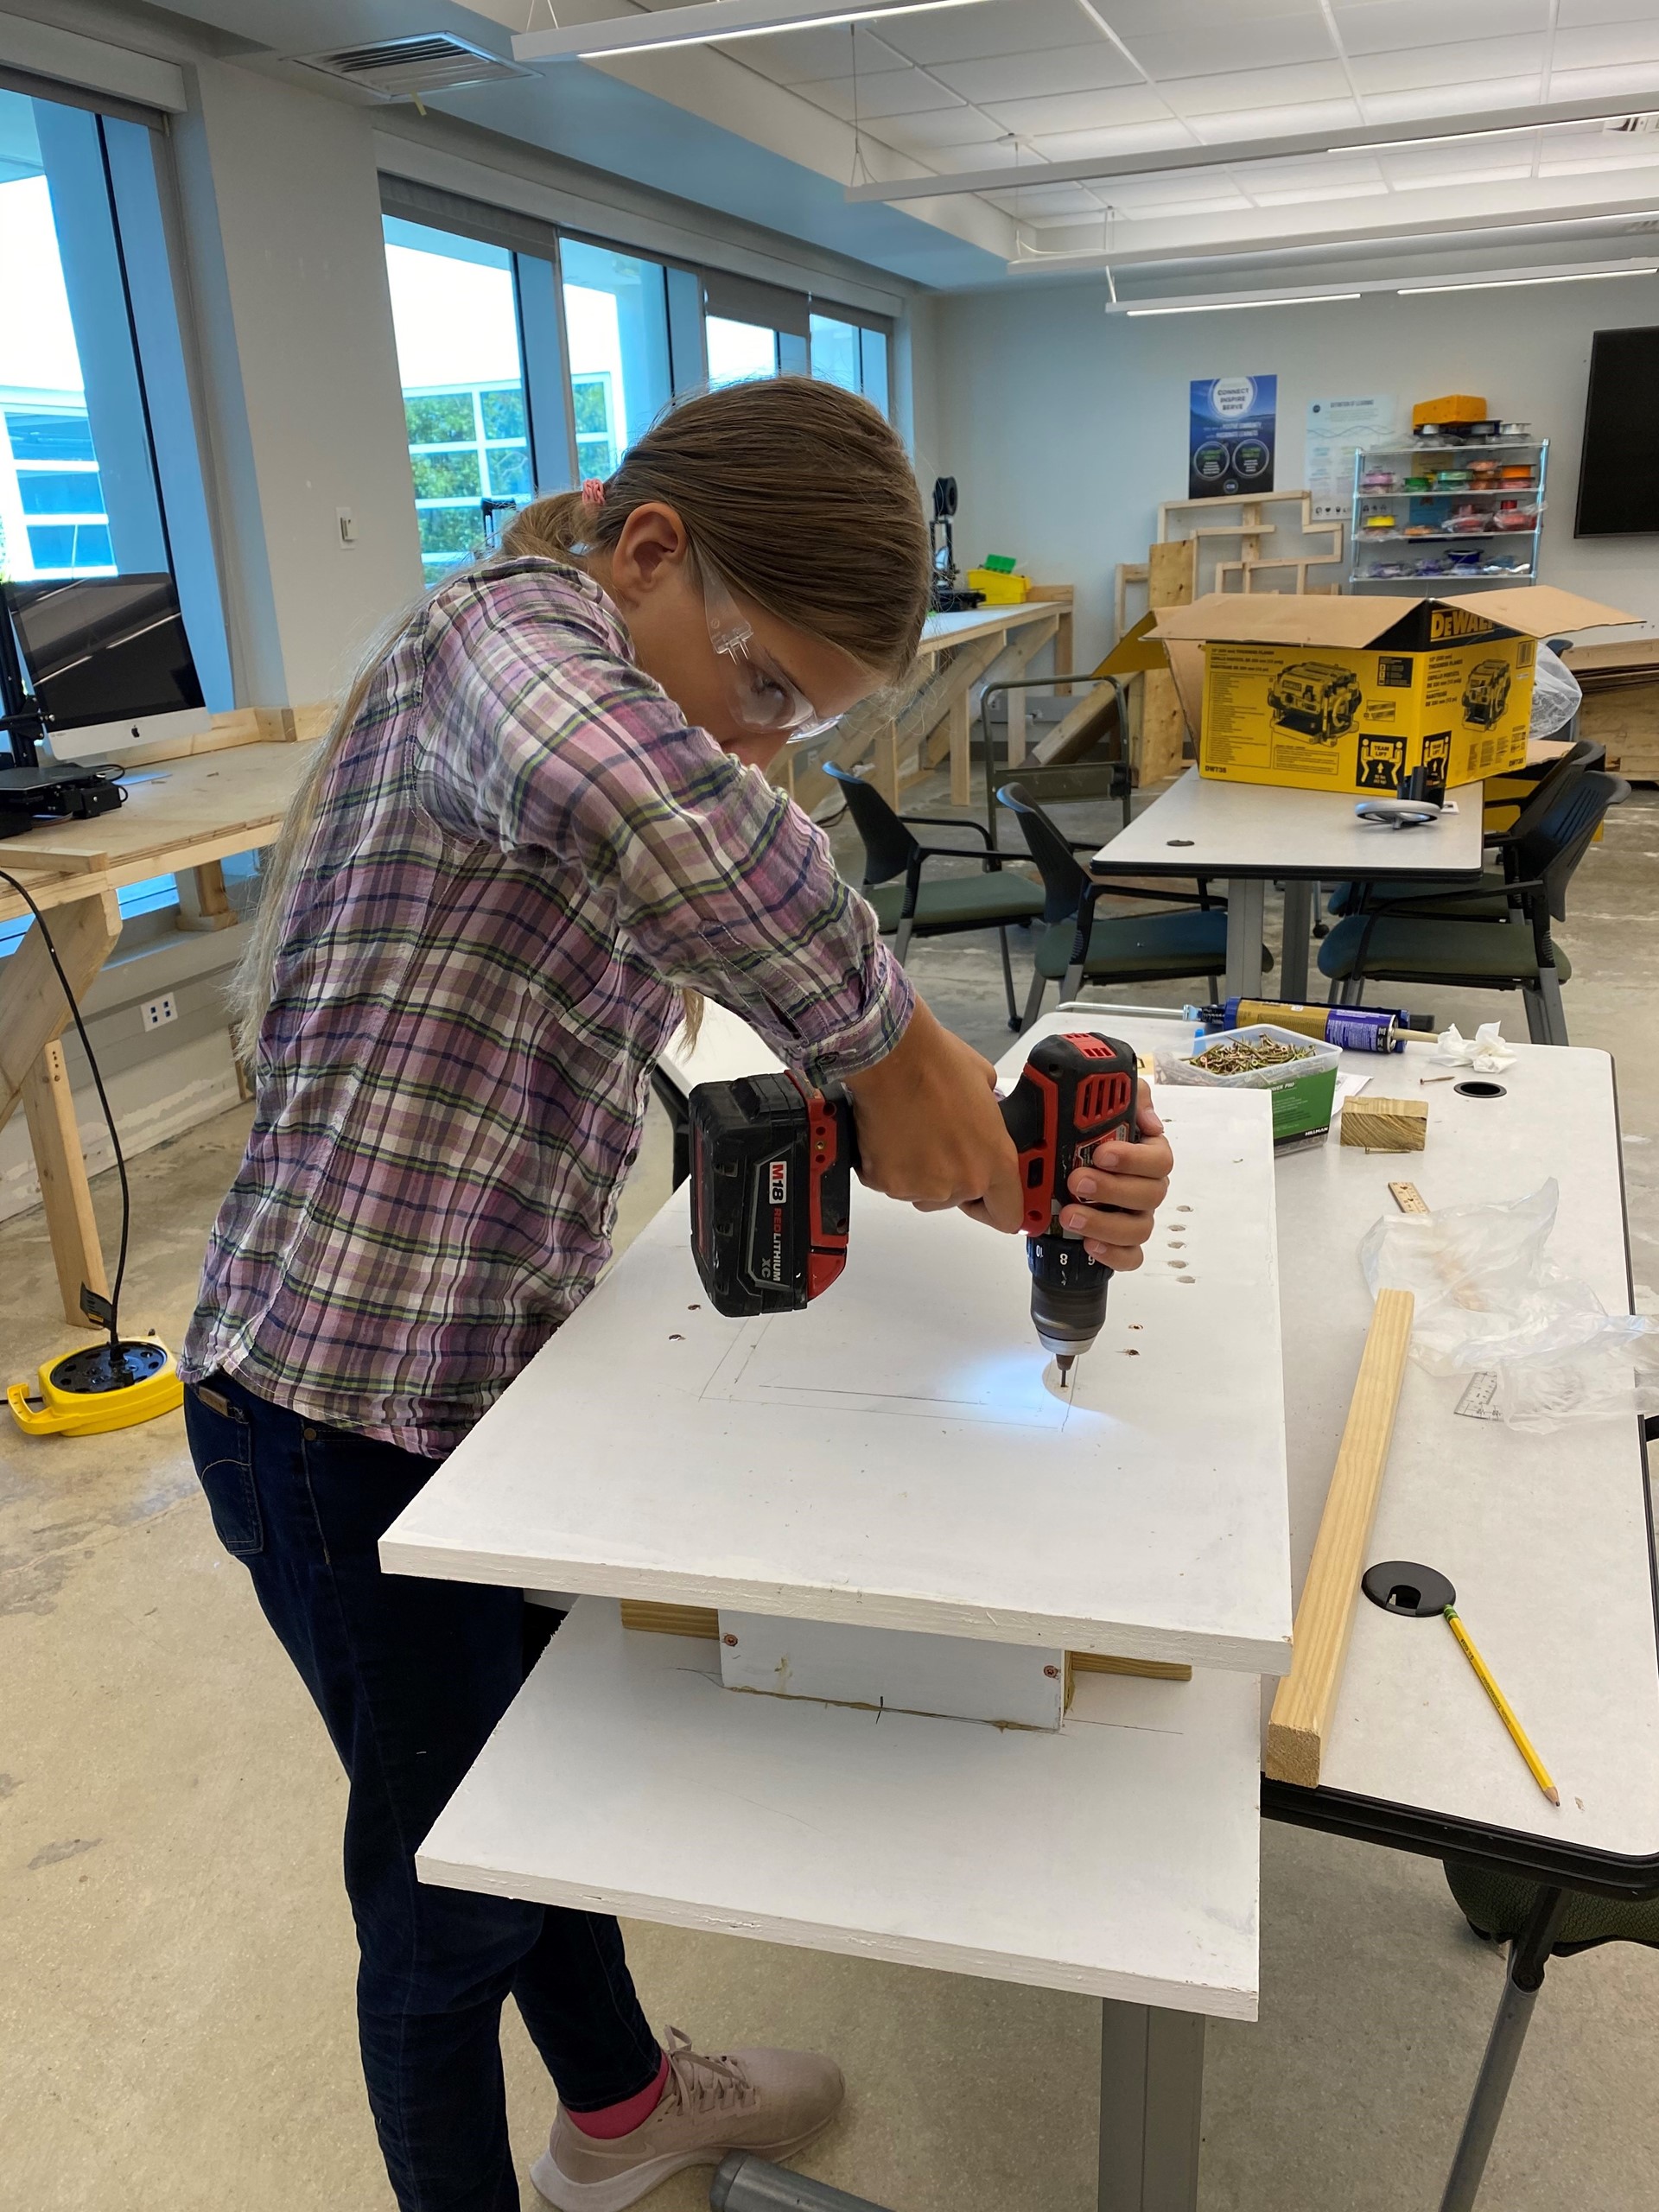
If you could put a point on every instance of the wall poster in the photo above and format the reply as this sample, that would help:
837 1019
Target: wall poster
1233 428
1337 429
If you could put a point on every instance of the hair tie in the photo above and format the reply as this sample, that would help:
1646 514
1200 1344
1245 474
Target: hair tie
593 492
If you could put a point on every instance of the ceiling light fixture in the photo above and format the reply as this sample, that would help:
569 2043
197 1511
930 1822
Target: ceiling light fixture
1235 153
1228 307
1514 283
1210 302
712 21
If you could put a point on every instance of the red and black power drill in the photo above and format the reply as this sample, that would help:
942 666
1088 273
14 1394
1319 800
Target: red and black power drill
771 1169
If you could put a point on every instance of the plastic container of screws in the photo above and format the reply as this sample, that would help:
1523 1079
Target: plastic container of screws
1300 1072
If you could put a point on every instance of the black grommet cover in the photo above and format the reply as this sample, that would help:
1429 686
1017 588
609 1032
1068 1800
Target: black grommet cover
1480 1090
1401 1586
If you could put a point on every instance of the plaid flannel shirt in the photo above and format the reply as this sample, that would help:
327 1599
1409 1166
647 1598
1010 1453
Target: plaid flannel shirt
519 852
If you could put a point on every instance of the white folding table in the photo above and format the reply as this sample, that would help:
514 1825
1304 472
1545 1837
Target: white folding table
1254 834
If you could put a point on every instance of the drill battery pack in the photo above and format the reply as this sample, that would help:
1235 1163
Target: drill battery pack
771 1166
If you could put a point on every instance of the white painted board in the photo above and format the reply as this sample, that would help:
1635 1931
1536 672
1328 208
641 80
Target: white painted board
952 1677
726 1047
899 1455
1545 1537
1200 828
1117 1858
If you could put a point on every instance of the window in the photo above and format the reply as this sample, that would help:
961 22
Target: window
99 471
852 355
739 350
455 309
616 328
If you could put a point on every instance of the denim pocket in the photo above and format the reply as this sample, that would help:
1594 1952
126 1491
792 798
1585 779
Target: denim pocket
221 1444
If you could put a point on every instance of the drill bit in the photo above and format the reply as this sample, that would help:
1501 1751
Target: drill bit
1064 1360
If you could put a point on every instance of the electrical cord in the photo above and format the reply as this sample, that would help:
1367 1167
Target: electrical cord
86 1292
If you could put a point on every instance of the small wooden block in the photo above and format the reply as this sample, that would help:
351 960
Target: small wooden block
1103 1662
1408 1197
653 1619
1385 1124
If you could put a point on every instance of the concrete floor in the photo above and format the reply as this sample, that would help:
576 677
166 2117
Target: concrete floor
177 2007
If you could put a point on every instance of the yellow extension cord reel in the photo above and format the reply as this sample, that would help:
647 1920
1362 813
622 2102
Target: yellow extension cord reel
126 1379
100 1387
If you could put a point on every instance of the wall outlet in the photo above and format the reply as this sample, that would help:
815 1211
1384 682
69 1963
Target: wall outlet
157 1010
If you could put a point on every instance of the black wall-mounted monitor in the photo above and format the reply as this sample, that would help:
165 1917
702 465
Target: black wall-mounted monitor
107 660
1618 477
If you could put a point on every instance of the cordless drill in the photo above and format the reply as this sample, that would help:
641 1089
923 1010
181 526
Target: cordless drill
771 1169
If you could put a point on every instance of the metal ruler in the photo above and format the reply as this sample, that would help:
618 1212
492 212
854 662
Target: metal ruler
1477 1401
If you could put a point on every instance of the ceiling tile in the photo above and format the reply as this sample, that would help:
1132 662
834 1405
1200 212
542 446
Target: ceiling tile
895 92
1599 44
1303 195
936 138
1157 133
1599 84
803 57
1284 122
1430 102
1263 89
1616 151
1003 27
1402 26
1449 65
1134 20
1037 117
1200 49
1048 69
1575 12
1032 203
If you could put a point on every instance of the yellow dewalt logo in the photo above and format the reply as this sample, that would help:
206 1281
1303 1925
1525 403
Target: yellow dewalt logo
1446 622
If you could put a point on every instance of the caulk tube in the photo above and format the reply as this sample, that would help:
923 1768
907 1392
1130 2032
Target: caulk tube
1354 1029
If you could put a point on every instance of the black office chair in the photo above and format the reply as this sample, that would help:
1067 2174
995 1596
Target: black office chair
1497 847
949 903
1112 773
1077 948
1507 945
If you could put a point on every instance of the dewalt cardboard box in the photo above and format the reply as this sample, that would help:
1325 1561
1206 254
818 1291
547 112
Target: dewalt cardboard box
1354 695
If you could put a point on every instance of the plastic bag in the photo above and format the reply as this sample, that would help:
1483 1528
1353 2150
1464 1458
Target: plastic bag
1488 1299
1556 694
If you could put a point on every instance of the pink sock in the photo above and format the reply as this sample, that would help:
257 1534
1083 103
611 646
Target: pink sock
611 2121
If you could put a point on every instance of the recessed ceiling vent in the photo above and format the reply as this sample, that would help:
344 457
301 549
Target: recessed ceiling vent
1646 124
406 68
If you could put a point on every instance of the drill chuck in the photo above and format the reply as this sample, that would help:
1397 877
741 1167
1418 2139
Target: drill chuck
1068 1294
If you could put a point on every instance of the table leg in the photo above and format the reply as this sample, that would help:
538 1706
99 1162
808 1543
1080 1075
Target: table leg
1016 728
961 767
1244 908
65 1194
1299 924
1151 2108
1527 1956
1063 652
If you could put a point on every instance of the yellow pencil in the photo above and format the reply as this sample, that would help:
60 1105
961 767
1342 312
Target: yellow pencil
1502 1706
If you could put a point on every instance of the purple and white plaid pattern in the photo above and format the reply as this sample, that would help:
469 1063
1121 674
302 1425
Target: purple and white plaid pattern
520 851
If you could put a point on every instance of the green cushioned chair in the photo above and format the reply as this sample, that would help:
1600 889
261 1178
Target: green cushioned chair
991 897
1510 948
1079 947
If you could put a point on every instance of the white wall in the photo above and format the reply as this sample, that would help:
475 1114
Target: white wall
1066 426
282 216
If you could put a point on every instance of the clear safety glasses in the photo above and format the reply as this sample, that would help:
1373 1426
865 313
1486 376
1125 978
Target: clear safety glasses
762 696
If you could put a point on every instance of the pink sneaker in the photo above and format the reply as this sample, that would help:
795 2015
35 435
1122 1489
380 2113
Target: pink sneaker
772 2103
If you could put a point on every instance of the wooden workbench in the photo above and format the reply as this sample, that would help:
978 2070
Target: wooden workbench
904 731
188 808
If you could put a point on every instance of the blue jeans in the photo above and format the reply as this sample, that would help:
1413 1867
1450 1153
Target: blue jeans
410 1676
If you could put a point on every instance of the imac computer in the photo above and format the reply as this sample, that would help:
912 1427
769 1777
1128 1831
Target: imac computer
107 662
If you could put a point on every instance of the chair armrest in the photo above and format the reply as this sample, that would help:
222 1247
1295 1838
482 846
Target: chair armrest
1393 908
948 822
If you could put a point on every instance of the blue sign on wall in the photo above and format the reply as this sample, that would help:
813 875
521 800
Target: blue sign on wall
1234 424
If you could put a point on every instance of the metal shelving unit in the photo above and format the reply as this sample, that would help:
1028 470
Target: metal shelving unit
1418 543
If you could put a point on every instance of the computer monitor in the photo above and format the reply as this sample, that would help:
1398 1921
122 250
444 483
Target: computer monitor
107 661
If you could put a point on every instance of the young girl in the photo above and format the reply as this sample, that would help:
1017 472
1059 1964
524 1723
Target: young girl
530 828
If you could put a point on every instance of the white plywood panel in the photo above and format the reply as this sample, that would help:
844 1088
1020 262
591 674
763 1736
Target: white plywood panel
1117 1857
956 1678
896 1456
1201 828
